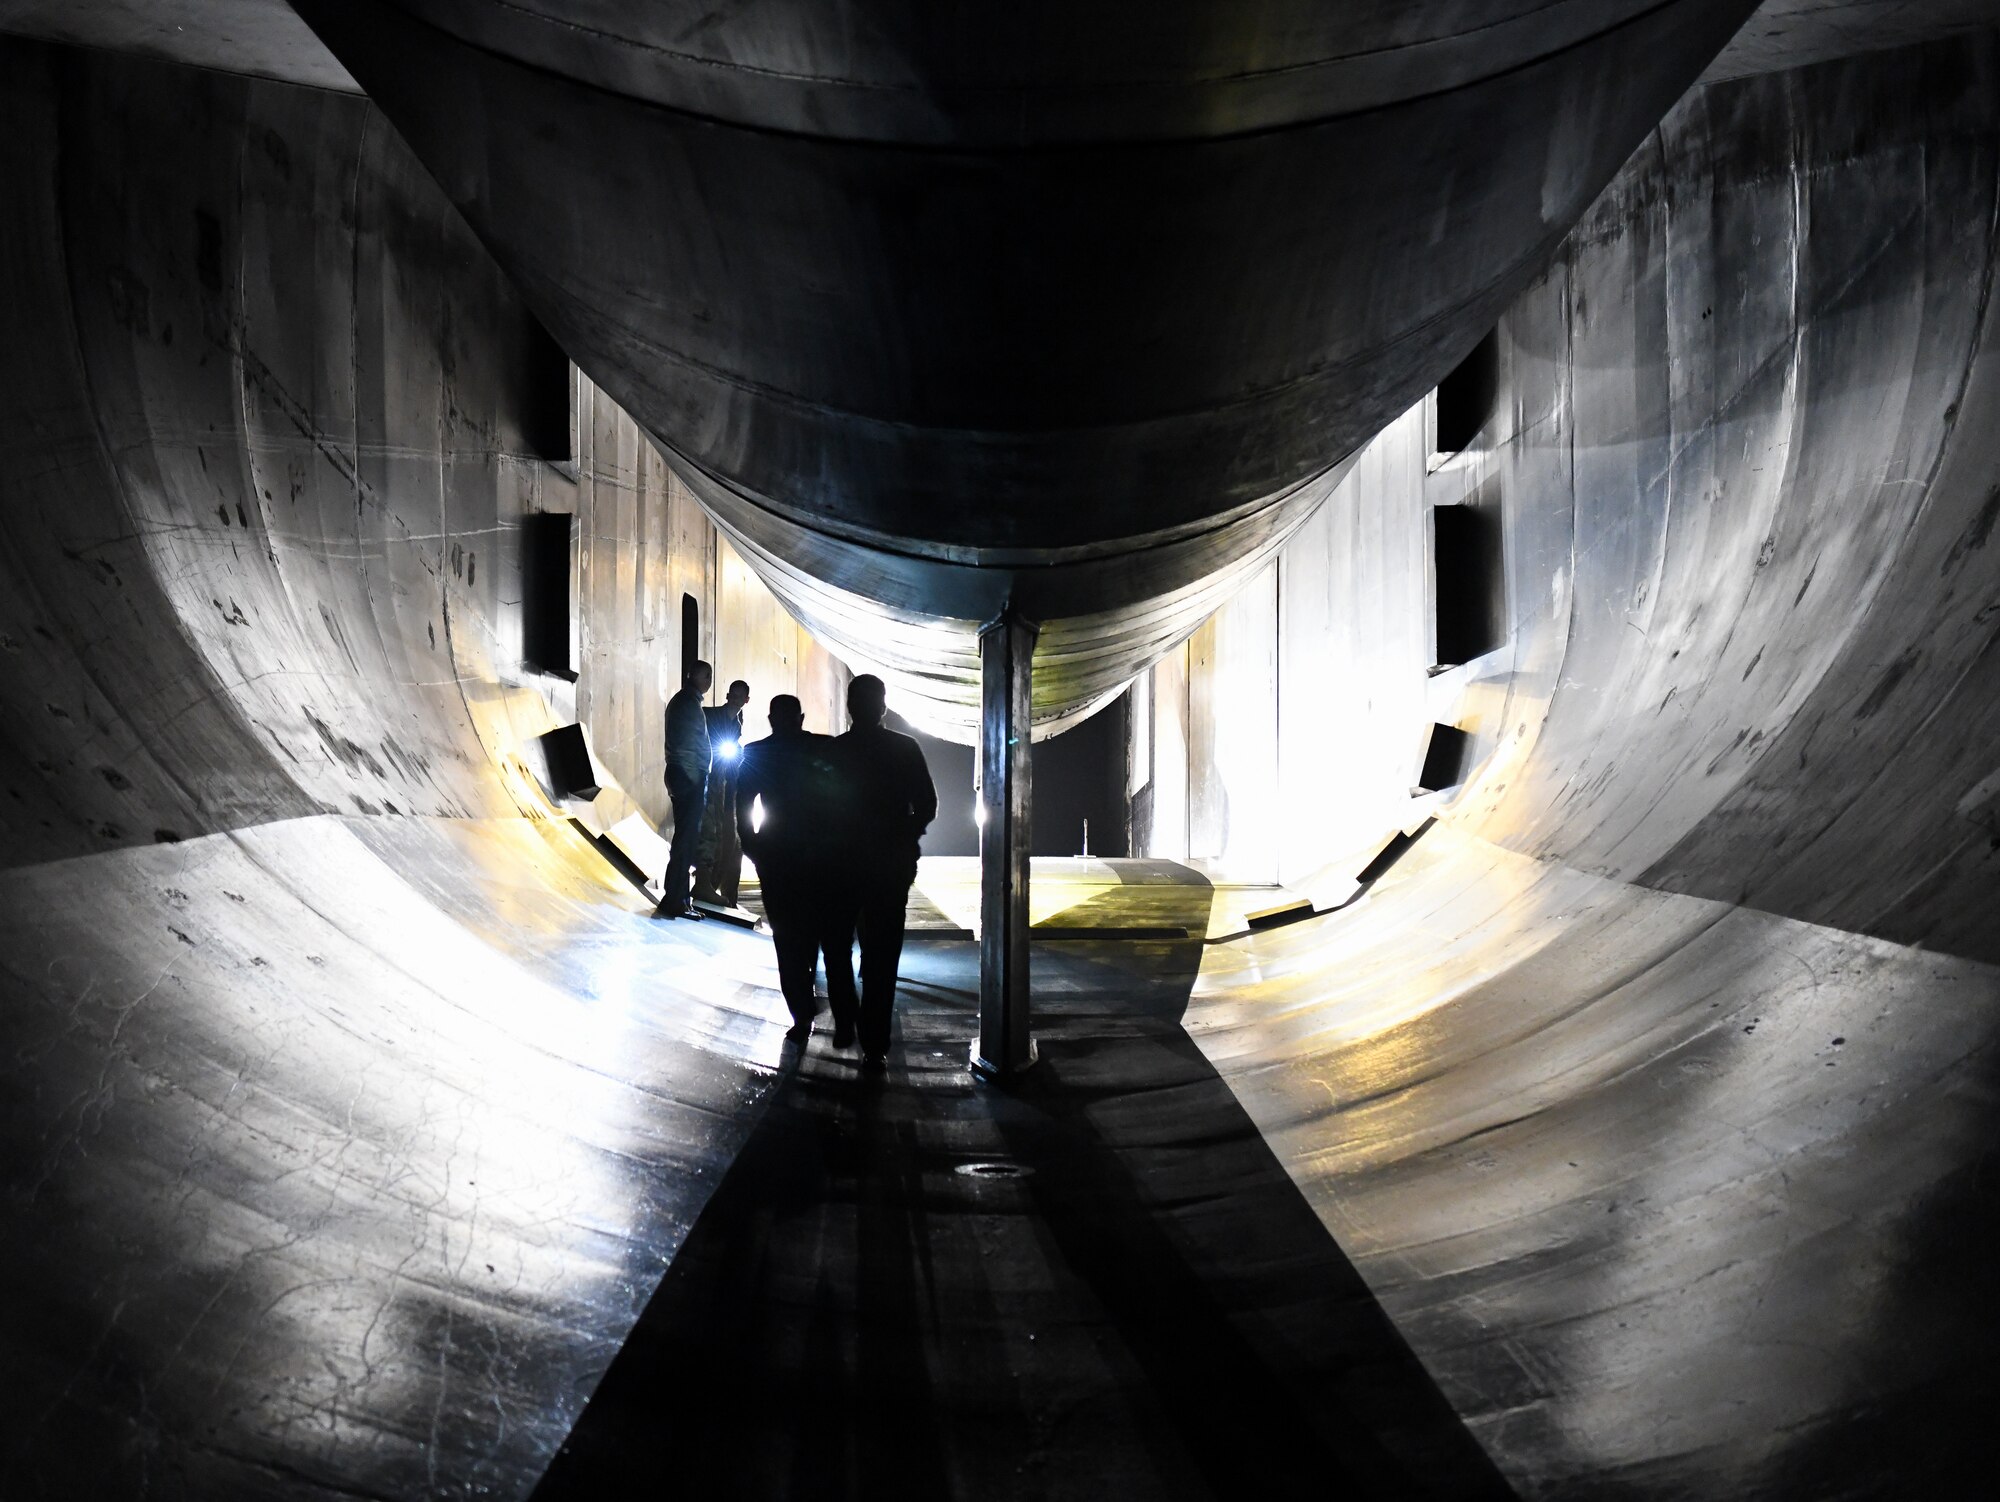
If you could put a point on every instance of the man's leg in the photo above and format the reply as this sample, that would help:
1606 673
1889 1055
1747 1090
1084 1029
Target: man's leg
797 944
714 812
729 856
836 923
883 906
687 797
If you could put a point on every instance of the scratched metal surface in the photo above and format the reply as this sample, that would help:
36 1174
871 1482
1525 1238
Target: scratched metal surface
1675 1199
266 37
344 1167
267 452
341 1153
1746 466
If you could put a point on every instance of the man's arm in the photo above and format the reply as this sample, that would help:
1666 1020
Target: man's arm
921 791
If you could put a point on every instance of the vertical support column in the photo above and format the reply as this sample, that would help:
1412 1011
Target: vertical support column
1006 657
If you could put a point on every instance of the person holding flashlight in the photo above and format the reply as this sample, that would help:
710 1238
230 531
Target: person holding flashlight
718 872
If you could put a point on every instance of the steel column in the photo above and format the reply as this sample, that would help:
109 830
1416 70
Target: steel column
1006 659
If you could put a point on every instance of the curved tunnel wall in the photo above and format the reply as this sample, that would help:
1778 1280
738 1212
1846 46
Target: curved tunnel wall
314 1005
1677 1194
326 1123
1743 475
268 438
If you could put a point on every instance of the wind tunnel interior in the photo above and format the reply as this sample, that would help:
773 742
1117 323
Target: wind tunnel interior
1628 1133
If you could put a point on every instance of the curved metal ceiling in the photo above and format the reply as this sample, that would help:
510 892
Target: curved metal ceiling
1092 365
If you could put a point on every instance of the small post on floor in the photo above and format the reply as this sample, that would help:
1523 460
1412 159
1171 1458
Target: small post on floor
1006 657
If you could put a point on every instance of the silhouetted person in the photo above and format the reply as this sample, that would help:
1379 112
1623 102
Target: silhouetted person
784 787
687 787
718 871
888 802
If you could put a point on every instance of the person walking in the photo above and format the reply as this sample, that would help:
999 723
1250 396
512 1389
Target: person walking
687 787
784 785
887 802
718 871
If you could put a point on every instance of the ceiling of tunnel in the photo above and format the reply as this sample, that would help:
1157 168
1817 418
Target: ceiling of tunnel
1794 33
266 37
999 72
848 499
1078 371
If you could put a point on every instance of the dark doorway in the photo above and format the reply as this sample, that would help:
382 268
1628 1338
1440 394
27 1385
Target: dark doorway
545 592
1079 780
1080 775
545 398
690 635
1466 397
1468 567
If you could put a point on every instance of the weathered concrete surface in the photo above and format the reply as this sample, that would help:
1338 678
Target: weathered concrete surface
344 1151
1787 34
317 1180
1743 455
1674 1199
266 37
1770 673
266 456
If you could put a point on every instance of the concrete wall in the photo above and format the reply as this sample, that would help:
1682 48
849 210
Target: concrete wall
643 543
1653 1092
1288 731
311 1008
265 427
1747 498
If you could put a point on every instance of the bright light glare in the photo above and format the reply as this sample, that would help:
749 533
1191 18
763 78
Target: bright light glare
979 813
756 814
725 751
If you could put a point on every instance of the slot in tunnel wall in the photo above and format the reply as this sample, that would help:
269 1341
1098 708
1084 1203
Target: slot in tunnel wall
1741 480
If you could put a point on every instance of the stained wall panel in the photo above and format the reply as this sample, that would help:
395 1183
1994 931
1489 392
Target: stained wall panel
1743 462
271 398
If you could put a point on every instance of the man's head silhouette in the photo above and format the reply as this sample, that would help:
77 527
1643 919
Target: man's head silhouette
867 700
787 715
700 678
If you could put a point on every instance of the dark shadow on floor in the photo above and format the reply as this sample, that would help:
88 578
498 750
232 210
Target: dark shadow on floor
1101 1284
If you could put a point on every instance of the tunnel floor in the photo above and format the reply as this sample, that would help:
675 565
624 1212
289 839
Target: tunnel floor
400 1158
1099 1283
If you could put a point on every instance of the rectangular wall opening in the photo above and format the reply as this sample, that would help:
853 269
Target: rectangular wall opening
1469 584
545 592
1466 397
1447 758
690 635
546 400
1081 784
572 774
